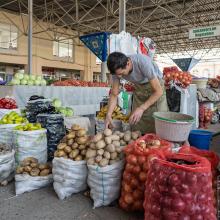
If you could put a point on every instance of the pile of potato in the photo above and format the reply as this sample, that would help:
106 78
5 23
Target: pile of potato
106 148
4 149
73 145
31 167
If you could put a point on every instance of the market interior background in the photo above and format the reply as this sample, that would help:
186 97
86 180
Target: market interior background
51 47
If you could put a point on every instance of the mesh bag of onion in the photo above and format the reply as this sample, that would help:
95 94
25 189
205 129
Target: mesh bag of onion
138 155
213 159
179 187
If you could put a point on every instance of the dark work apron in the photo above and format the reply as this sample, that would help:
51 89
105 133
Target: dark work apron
141 94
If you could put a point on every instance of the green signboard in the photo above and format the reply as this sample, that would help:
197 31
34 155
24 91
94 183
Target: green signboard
202 32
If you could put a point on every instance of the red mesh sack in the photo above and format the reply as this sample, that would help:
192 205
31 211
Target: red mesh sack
179 188
135 173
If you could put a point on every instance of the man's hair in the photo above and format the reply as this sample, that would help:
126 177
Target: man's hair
116 60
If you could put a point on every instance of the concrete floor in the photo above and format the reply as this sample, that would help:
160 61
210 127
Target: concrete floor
43 204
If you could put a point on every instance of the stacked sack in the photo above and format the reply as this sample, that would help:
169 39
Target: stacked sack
179 187
69 165
138 156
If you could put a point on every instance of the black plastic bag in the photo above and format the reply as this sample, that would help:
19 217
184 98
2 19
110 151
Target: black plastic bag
54 123
173 99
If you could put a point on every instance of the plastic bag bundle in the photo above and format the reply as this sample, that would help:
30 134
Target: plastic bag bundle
54 123
179 187
138 159
26 183
69 177
39 106
105 183
30 144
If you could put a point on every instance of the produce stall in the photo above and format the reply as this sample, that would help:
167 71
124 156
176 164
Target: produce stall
84 100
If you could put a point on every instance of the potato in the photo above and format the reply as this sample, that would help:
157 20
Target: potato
81 133
30 160
116 143
110 148
100 144
71 135
97 137
92 146
114 155
82 147
134 135
28 168
56 153
127 137
74 153
116 133
98 158
90 153
82 140
19 170
103 162
65 156
74 146
100 152
128 132
64 140
25 163
61 153
67 149
43 166
91 161
121 135
115 137
107 155
61 146
122 143
108 140
119 149
70 142
75 127
107 132
34 165
35 172
78 158
45 172
83 152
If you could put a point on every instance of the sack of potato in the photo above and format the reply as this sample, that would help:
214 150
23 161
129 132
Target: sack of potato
69 176
30 144
7 164
105 165
31 175
69 165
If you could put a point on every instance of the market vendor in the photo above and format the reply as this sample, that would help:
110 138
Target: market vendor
149 95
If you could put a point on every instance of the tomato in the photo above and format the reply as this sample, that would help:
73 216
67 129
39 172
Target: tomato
129 168
127 188
146 166
123 204
134 182
141 159
138 194
132 159
136 169
127 176
128 198
143 176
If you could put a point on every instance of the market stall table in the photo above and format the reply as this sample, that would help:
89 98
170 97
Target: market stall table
84 100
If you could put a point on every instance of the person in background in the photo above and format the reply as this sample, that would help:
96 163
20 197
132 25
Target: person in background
149 95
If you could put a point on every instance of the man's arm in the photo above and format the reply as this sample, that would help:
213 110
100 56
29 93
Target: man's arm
112 103
157 92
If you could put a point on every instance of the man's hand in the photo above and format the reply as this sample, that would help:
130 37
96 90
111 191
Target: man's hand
108 122
136 115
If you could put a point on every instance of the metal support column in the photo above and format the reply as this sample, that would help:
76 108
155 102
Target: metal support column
103 71
30 15
122 15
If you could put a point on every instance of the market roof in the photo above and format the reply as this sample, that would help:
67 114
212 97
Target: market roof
167 22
